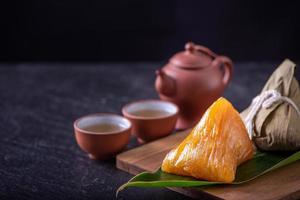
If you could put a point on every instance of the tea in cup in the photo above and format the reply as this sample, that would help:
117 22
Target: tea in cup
151 119
102 135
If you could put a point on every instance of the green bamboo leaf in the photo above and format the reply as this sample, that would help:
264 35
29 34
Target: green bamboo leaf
262 163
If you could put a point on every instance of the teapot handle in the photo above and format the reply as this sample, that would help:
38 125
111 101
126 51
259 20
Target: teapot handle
227 64
218 61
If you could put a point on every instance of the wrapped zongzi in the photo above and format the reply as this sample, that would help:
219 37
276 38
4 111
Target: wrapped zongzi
273 118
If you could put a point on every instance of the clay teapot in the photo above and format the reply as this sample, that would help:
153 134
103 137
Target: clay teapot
193 79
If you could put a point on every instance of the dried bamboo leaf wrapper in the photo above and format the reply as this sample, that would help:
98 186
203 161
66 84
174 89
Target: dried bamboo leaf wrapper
278 127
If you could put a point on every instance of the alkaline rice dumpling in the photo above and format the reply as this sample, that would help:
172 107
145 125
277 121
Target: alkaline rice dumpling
214 148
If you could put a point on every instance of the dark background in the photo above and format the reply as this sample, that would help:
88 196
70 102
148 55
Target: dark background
135 30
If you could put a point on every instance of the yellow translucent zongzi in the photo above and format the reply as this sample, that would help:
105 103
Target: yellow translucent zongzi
214 148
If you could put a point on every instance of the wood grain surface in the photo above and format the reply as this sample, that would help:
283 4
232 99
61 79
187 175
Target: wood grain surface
283 183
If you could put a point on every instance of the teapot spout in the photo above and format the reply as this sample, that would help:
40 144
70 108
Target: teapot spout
164 84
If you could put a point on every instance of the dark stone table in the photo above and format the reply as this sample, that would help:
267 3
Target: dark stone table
39 158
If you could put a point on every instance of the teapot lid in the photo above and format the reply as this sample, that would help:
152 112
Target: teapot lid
194 56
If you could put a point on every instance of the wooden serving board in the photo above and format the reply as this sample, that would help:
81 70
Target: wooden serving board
283 183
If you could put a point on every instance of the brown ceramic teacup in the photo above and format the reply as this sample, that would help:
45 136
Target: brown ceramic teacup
151 119
102 135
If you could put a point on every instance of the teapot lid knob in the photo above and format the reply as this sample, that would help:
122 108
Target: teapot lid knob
194 56
190 46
